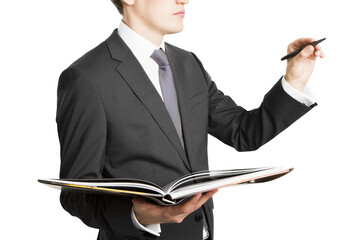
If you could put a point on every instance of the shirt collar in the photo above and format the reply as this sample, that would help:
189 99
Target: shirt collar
141 47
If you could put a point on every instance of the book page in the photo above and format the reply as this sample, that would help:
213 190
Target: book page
205 186
207 175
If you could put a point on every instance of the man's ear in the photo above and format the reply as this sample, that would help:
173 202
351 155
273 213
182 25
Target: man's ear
128 2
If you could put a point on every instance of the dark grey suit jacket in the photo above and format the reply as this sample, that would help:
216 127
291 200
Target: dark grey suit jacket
113 123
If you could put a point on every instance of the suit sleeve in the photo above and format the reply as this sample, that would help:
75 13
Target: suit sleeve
248 130
82 130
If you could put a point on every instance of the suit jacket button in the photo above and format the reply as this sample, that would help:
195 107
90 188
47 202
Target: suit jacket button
198 217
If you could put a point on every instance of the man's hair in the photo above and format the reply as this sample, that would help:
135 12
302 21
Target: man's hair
118 4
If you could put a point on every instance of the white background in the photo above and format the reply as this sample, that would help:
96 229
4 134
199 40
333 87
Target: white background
240 43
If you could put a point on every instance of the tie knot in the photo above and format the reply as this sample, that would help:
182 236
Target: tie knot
160 57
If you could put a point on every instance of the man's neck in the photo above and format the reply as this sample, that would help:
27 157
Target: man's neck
144 31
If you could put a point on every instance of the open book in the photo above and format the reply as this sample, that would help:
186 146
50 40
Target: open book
175 191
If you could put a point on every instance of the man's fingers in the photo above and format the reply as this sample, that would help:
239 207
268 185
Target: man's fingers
317 47
197 201
318 51
306 52
311 53
163 214
295 45
187 207
205 197
201 199
142 203
194 203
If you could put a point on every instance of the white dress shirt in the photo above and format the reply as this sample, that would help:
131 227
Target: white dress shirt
143 49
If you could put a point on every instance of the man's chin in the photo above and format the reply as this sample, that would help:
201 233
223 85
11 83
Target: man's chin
175 30
174 27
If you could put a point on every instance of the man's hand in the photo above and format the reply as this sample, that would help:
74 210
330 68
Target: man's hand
300 67
148 213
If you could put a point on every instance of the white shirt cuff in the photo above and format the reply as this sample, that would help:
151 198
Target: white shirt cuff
303 97
154 229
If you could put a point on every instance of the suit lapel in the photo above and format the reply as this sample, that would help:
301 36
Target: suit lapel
136 78
183 89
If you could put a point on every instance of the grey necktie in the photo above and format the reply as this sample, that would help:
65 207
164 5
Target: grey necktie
168 90
170 99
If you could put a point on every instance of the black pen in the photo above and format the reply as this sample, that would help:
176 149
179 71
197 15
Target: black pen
296 52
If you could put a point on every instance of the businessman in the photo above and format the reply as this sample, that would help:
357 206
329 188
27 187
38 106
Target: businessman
137 107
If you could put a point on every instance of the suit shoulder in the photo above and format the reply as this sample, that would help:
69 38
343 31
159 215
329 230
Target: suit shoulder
189 60
93 65
178 51
81 69
185 55
92 58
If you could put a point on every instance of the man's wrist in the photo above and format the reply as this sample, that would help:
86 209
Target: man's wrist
154 229
298 85
301 96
